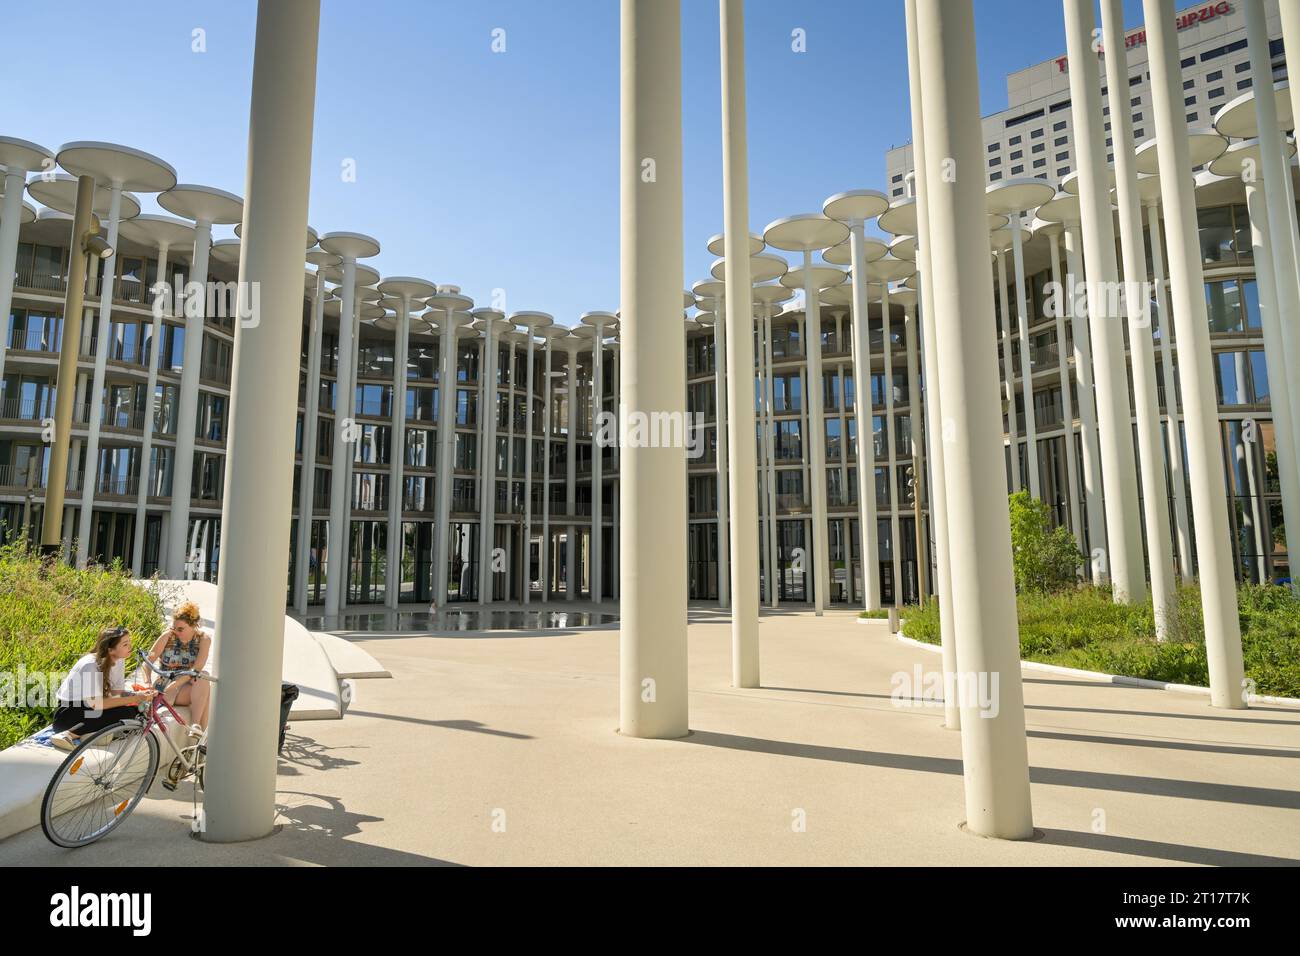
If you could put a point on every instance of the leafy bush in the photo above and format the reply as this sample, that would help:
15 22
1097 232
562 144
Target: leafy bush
50 616
1084 628
1044 558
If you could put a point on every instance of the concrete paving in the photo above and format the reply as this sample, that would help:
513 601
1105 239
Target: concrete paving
502 749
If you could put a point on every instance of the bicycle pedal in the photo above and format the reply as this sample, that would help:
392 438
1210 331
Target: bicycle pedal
169 785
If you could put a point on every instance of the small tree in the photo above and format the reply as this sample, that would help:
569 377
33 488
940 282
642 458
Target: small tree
1044 558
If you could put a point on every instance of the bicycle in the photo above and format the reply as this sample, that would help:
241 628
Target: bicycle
110 770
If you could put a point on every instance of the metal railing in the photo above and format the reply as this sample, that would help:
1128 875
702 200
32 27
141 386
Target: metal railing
34 340
27 409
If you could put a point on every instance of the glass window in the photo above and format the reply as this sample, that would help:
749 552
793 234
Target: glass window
1216 235
1223 303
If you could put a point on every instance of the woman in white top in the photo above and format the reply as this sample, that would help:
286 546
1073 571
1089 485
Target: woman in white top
92 696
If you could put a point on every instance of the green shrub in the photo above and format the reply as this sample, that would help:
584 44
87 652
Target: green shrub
1083 627
50 616
1044 558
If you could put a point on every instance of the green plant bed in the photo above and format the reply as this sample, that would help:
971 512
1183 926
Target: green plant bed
49 618
1084 628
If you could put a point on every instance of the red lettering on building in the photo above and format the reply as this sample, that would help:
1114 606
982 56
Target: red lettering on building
1139 37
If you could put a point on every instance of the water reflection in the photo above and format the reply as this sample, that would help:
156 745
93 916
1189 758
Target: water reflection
456 619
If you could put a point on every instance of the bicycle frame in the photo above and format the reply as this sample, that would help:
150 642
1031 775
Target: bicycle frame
152 722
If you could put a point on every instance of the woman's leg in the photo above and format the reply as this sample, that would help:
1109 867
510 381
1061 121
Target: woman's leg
200 694
80 721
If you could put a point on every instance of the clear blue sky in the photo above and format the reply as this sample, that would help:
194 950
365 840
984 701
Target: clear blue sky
496 170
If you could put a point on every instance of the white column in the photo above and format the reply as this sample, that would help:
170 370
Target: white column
891 440
1067 404
814 393
187 406
1142 359
1277 177
862 413
934 421
527 584
1279 377
1026 357
1290 15
571 479
652 620
1177 476
1091 465
336 586
721 432
90 481
738 302
1008 373
240 783
396 458
1114 419
597 504
544 563
763 426
613 552
10 219
307 471
914 421
1187 288
994 756
510 463
775 596
448 396
488 462
161 307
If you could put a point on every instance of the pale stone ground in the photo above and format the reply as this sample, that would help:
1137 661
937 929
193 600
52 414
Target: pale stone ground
520 726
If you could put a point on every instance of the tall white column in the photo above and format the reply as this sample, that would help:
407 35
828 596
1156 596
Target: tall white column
548 397
868 529
1137 301
1290 14
1091 465
1173 429
488 457
1279 376
526 583
1277 177
1026 357
161 307
1196 374
1067 404
722 432
994 756
597 468
18 157
1114 420
1008 372
571 479
178 552
396 457
336 587
90 479
510 460
613 551
935 421
310 424
738 302
815 395
652 619
891 442
240 783
914 419
775 592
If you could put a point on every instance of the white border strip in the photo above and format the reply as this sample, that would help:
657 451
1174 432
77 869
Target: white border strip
1114 678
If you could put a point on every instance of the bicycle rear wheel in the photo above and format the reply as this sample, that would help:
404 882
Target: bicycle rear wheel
99 784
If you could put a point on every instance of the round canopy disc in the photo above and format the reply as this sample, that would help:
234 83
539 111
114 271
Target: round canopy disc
448 301
1064 207
772 294
821 277
1013 196
1205 146
123 166
889 269
841 254
1002 239
18 155
904 247
319 257
717 244
532 320
1045 227
61 193
839 296
366 275
1071 182
709 289
28 213
1238 119
807 232
226 250
856 205
203 204
597 320
900 218
398 286
1236 156
912 281
312 237
153 230
903 296
352 245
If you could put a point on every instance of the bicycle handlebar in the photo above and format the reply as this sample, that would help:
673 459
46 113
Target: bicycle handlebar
197 675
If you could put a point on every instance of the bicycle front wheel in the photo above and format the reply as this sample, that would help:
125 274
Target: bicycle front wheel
99 784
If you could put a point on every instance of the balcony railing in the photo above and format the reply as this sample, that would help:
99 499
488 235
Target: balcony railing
26 409
34 340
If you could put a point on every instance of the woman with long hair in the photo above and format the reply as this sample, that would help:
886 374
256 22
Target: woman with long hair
182 647
92 696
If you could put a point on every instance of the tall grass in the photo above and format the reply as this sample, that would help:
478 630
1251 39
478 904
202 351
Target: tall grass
1084 628
50 616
